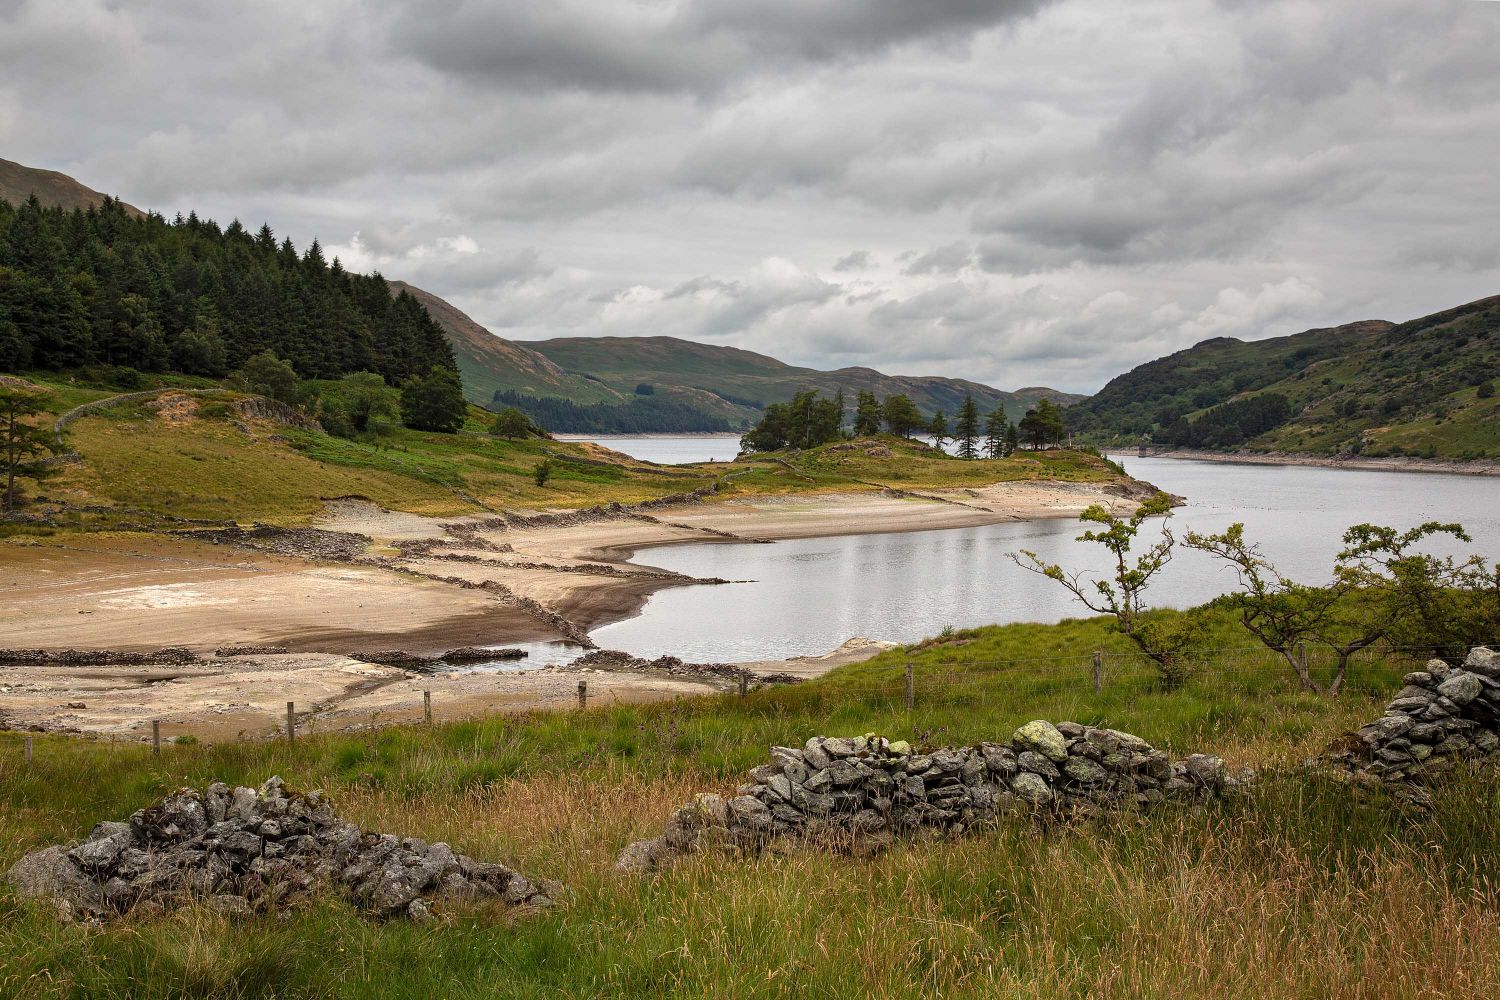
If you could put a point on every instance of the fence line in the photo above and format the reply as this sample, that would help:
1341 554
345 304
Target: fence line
1098 670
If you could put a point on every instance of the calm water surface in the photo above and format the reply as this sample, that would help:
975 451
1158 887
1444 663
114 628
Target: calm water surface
809 595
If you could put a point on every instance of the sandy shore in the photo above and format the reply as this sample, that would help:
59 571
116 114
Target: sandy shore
1428 465
420 584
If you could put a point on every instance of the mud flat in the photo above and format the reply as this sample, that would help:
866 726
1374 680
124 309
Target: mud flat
368 579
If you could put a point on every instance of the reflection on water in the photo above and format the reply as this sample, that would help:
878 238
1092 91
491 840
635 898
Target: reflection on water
809 595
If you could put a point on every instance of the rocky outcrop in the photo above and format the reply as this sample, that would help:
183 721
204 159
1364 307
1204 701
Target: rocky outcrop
1441 716
246 851
872 789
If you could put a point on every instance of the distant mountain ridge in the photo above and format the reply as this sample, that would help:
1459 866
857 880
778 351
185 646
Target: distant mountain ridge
749 380
1422 388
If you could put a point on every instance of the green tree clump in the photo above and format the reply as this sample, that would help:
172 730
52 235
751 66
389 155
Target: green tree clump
1043 424
805 421
434 402
542 472
901 415
511 423
265 374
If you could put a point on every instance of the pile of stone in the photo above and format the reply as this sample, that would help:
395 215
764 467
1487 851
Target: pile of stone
870 788
1443 715
726 675
247 851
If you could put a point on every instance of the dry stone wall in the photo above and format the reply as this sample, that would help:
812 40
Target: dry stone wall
247 851
1441 716
869 787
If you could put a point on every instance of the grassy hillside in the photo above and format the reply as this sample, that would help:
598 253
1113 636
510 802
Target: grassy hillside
1425 387
198 457
1303 889
748 381
18 182
490 364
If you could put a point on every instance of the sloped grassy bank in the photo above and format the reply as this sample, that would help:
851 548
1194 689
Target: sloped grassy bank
1303 889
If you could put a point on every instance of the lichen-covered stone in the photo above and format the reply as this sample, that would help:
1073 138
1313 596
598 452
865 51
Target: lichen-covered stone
1042 737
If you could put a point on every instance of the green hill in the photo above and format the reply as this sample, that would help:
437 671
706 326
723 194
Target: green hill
1421 388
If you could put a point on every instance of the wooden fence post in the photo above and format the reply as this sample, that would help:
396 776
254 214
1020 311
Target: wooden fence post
1302 656
26 750
427 706
291 722
1098 671
744 683
911 687
156 737
583 694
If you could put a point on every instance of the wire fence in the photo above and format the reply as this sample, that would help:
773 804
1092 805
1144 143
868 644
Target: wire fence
918 682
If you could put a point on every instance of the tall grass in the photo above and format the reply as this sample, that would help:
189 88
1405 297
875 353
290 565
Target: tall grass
1303 889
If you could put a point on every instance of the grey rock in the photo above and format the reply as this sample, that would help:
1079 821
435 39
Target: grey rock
1484 661
1461 688
1030 787
1084 771
1037 764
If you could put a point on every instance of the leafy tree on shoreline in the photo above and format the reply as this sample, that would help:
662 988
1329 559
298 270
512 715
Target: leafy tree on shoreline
1120 595
511 423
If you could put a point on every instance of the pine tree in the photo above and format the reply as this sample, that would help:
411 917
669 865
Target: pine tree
938 430
1012 439
867 415
23 443
966 429
995 425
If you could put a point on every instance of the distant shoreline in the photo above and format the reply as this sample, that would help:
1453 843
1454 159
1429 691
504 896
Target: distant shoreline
727 435
1452 467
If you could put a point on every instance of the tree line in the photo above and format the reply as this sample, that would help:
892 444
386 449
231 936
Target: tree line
810 419
1229 424
103 287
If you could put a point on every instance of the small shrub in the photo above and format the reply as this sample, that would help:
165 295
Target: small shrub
542 472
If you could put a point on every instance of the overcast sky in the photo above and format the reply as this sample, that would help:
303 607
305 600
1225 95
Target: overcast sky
1017 191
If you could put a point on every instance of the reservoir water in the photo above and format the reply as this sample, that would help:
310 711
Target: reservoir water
809 595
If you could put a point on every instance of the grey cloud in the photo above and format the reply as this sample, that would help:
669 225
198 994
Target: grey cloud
854 260
697 45
948 259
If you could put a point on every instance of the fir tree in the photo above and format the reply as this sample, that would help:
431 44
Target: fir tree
901 415
867 415
995 425
938 430
966 429
23 442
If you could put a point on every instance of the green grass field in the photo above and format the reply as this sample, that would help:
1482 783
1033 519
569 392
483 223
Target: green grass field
1303 889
